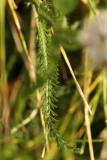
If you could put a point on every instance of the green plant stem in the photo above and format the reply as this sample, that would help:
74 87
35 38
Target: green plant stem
92 7
3 79
105 93
2 46
87 81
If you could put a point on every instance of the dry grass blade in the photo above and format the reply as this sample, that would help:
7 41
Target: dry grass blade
89 134
87 82
31 72
17 41
32 36
76 82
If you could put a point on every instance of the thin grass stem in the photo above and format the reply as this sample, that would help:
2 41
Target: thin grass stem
16 21
75 80
105 93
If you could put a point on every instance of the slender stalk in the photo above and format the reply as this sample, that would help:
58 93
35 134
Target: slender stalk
92 7
87 81
94 84
3 79
75 80
94 102
89 134
16 21
32 38
17 40
105 93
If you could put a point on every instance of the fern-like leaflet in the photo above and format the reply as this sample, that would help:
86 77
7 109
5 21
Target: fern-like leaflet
48 90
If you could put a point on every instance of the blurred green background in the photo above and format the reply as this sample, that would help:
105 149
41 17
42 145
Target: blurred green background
27 142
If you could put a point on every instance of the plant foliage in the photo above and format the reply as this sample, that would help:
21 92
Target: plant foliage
48 82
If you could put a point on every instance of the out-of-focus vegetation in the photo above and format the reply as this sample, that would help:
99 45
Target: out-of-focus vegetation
45 96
